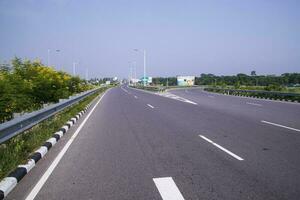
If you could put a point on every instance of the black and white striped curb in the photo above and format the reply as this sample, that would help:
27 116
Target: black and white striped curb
10 182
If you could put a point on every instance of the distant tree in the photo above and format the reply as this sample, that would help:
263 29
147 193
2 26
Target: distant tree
253 73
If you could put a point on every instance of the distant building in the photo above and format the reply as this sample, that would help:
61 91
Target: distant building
185 80
135 80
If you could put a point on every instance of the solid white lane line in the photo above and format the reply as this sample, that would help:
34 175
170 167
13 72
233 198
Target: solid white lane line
167 188
150 106
253 104
279 125
222 148
49 171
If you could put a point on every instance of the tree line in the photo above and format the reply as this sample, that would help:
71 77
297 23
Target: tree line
286 79
28 85
239 80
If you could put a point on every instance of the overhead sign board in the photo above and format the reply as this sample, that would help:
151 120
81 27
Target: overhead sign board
146 80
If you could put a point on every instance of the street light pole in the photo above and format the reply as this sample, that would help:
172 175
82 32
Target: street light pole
134 67
130 81
48 57
167 82
144 77
48 60
74 68
57 66
144 67
86 74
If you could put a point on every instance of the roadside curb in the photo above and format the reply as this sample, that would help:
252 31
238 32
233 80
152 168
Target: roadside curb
255 96
11 181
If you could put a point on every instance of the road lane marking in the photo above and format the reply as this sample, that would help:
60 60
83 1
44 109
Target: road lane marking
124 90
167 188
253 104
150 106
173 96
222 148
210 96
279 125
188 101
135 97
53 165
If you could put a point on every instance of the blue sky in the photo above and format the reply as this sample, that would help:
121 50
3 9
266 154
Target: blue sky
187 37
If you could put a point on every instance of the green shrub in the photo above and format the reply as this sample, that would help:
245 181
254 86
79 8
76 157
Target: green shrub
28 85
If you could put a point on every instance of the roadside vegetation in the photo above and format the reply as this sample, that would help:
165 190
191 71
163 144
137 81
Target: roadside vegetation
27 85
16 150
149 88
288 82
284 87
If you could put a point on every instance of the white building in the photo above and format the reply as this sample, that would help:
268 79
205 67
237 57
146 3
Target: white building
185 80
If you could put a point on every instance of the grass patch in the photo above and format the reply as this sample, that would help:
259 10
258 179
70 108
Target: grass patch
16 150
149 88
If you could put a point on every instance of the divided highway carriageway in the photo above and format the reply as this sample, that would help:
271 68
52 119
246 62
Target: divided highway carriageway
182 144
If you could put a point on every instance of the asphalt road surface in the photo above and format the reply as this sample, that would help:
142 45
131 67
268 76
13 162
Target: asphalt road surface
184 144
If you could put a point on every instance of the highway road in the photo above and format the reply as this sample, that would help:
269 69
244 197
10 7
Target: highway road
183 144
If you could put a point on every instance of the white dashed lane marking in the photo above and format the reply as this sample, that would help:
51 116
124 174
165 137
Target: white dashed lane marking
178 98
253 104
222 148
167 188
150 106
279 125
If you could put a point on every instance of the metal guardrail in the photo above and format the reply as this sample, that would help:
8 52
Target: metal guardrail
259 93
20 124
